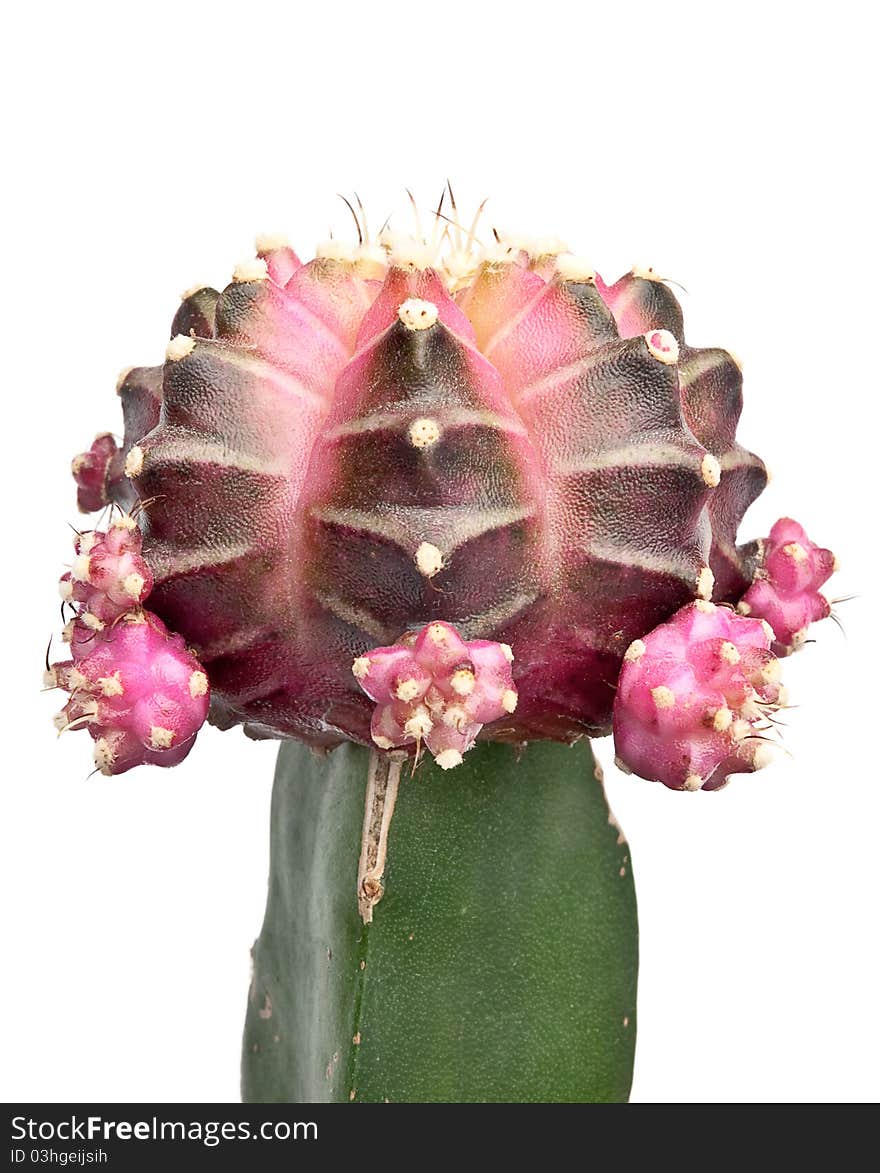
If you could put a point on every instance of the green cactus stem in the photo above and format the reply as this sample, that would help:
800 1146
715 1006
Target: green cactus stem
481 946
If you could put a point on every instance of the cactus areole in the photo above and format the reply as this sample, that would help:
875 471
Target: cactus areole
448 510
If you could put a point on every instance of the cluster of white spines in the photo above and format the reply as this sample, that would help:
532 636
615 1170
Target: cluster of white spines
452 250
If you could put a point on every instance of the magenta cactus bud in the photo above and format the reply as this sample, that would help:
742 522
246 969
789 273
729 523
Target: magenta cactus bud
109 575
435 688
136 688
95 473
785 589
695 697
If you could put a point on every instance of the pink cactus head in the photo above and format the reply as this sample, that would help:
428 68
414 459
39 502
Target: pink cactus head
435 688
135 687
785 590
384 438
694 697
412 436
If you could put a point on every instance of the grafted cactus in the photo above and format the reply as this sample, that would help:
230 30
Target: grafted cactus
423 497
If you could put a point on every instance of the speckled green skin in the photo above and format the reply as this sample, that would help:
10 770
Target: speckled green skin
500 964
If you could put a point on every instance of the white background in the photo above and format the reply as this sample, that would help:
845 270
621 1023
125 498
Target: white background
732 148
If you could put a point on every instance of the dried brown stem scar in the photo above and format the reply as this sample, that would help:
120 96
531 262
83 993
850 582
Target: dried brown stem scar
383 782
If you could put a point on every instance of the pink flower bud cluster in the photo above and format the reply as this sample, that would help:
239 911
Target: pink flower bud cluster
694 698
433 688
785 590
133 684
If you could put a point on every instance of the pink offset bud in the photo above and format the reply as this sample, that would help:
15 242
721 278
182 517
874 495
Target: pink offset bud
694 699
95 471
136 688
785 589
434 687
109 576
